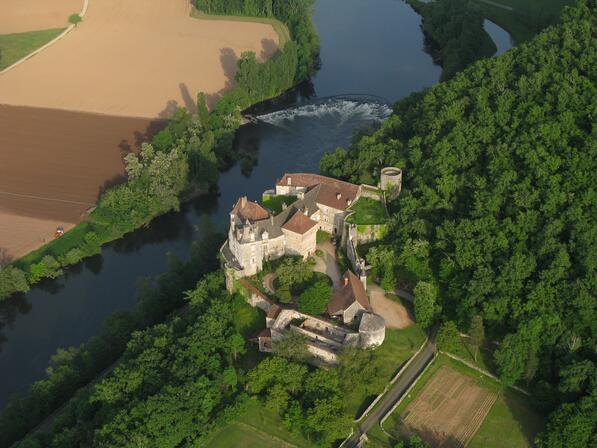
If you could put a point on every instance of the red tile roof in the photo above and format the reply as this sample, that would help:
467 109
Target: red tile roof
333 193
250 210
273 311
352 290
265 333
299 223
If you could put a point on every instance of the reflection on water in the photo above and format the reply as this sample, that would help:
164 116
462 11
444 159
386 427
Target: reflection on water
502 39
373 47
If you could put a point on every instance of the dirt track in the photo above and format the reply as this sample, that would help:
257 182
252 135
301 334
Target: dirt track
136 58
17 16
53 164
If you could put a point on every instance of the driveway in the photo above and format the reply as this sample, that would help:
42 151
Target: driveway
327 264
394 394
394 313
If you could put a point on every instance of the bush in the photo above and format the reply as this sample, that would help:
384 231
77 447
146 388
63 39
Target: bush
12 280
48 267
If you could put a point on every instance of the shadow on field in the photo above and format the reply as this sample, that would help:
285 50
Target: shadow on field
269 48
125 146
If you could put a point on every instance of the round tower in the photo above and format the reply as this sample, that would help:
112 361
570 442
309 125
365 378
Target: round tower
391 181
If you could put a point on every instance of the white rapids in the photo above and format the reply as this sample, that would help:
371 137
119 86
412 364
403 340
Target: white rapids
340 109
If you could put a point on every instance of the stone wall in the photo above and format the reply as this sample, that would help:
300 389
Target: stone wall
367 233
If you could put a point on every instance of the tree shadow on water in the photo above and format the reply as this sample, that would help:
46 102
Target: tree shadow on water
9 310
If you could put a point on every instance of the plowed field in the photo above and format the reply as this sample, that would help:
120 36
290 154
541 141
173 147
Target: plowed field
449 409
54 164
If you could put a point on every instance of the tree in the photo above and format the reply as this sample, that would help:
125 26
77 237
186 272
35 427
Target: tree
229 377
448 337
426 307
314 299
236 345
12 280
293 346
477 334
293 272
75 19
383 260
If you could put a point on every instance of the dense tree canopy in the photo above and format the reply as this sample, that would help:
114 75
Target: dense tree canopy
454 33
499 182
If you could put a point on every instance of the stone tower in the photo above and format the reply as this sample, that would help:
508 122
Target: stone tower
391 181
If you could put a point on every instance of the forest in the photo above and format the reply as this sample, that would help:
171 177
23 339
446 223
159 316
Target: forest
497 212
454 33
183 159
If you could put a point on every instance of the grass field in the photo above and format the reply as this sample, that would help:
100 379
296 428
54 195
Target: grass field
257 428
367 211
398 346
18 45
280 28
511 422
526 18
274 203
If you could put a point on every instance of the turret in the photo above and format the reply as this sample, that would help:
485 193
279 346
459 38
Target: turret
391 181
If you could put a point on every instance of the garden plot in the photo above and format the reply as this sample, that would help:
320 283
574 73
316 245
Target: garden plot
449 409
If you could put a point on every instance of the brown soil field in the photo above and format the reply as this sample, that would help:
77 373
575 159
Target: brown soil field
54 164
449 410
136 58
18 16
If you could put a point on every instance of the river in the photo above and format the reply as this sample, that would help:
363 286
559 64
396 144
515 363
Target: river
502 39
372 54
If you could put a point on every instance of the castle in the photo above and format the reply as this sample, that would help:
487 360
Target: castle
257 235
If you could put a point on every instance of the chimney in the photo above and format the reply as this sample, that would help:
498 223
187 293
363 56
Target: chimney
338 196
284 206
271 219
305 212
243 201
346 281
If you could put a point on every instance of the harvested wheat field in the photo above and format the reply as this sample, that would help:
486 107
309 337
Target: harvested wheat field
54 164
449 410
136 58
18 16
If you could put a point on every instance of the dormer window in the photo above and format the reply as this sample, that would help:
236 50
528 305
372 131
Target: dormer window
338 196
289 180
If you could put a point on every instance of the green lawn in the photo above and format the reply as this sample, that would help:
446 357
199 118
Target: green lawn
16 46
367 211
510 423
280 28
257 428
323 236
527 18
274 203
398 346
